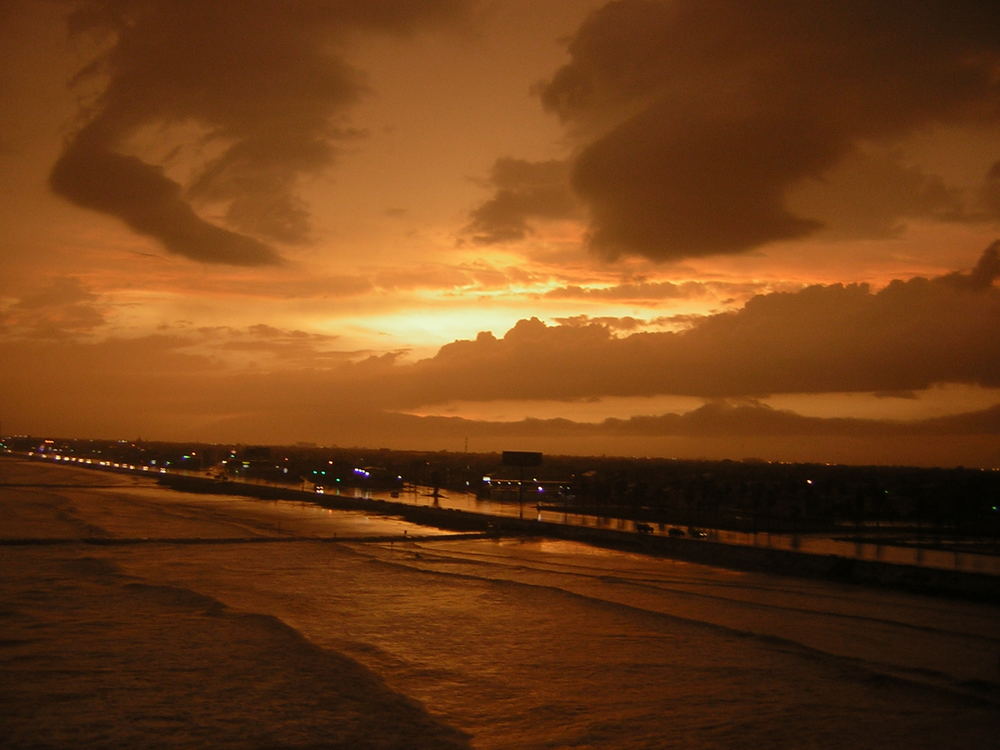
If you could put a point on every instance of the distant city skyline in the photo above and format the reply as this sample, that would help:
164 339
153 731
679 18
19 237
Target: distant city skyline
643 228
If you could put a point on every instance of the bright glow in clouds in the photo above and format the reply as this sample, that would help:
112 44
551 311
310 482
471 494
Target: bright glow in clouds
423 330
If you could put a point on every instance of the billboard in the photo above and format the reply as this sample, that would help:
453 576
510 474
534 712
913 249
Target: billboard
521 458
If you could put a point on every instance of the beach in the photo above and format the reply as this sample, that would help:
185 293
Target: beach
181 638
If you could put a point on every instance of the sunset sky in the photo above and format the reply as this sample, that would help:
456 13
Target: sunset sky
690 228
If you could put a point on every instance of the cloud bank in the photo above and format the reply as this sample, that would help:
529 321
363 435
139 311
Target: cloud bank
262 79
697 121
834 338
62 308
822 339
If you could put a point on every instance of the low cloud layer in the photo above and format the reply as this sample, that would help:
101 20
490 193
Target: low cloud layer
697 121
264 82
150 387
61 308
651 291
835 338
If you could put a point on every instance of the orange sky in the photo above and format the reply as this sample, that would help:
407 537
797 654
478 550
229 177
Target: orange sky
644 228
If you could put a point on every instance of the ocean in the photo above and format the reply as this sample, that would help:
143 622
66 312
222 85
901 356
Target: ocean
184 639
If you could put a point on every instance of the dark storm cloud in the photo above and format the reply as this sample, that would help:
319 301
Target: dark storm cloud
93 176
524 190
262 78
871 195
698 117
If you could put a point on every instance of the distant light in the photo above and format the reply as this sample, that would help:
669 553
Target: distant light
809 481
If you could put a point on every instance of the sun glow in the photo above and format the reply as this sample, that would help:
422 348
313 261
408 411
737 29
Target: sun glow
423 331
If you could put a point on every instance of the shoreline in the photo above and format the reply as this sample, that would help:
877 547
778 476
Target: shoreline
942 582
911 578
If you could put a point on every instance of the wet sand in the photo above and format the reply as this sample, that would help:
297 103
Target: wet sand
92 657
